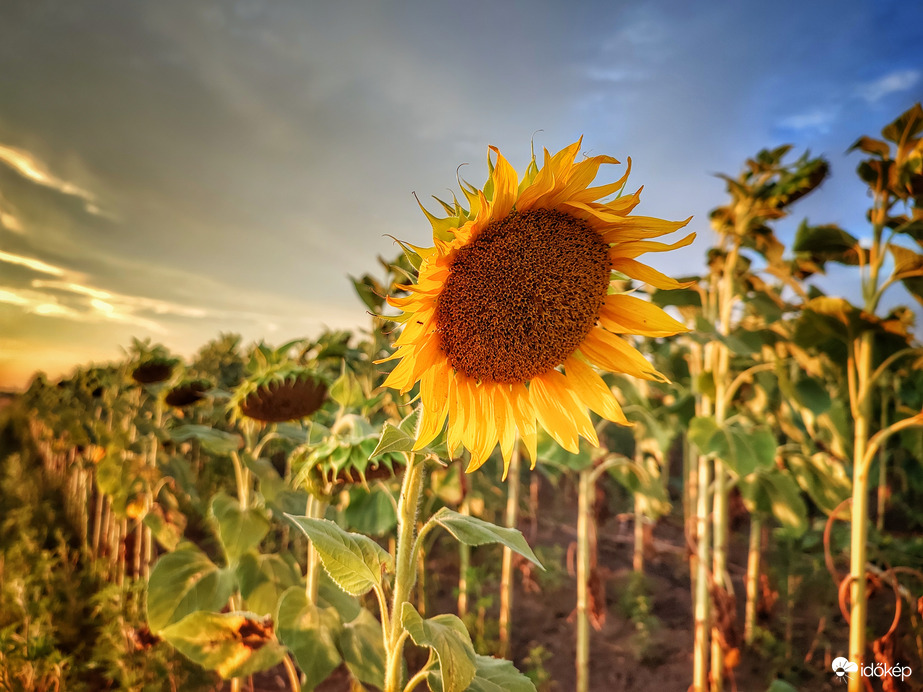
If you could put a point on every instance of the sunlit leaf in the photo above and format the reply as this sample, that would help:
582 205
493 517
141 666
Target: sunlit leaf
231 644
310 633
363 649
448 637
473 531
239 530
183 582
352 560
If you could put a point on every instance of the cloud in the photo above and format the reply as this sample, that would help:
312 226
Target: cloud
31 263
816 120
892 83
29 167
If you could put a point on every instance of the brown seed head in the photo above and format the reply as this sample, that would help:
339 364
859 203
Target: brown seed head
522 296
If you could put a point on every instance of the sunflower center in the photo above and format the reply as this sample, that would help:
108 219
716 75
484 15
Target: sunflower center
522 296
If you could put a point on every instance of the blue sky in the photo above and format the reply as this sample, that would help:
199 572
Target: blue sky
172 170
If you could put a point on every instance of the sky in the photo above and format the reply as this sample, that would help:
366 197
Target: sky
172 170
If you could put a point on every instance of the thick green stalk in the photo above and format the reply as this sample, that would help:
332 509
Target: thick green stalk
584 510
702 606
405 568
315 509
506 576
753 577
858 611
464 564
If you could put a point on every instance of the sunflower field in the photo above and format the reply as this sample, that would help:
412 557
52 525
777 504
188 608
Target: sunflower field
545 465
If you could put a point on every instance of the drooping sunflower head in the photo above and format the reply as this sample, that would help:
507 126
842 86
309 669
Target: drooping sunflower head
280 399
154 370
513 307
187 393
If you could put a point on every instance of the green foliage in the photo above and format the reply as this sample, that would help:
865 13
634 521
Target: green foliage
355 562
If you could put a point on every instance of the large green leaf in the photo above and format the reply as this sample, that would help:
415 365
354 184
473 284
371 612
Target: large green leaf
280 497
493 675
448 637
827 243
775 493
183 582
232 644
393 439
363 649
352 560
311 633
823 478
263 579
215 442
473 531
239 530
743 448
370 513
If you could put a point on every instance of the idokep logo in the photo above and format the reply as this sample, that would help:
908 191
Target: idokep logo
842 669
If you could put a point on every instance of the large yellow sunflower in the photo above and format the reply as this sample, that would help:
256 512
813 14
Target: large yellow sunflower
517 287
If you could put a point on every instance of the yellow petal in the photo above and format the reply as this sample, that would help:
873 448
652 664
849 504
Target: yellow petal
434 395
485 426
561 392
524 416
622 228
612 353
506 186
579 177
591 194
554 415
624 314
635 248
646 274
590 388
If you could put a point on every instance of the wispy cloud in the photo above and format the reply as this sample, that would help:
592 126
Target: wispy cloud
816 120
891 83
31 263
29 167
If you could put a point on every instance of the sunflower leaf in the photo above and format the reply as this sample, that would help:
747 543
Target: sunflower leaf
311 633
232 644
473 531
183 582
352 560
213 441
449 638
393 439
493 675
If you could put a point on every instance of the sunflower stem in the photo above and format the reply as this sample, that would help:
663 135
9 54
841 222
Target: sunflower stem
315 509
584 510
506 577
405 568
753 576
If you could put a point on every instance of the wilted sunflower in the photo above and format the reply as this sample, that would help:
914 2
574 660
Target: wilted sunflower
154 370
187 393
516 288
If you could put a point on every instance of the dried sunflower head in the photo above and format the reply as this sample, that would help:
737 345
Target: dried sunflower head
292 398
154 370
187 393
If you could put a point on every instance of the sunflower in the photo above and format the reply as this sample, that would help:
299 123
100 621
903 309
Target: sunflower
512 307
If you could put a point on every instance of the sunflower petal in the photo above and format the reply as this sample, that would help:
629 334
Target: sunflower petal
555 418
524 417
506 185
625 314
592 390
635 248
646 274
623 228
434 394
613 353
